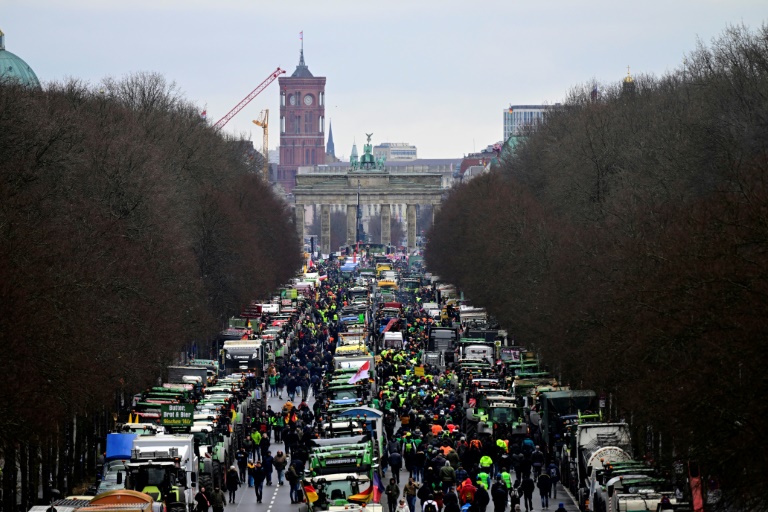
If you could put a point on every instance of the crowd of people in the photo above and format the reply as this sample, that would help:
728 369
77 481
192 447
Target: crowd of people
424 415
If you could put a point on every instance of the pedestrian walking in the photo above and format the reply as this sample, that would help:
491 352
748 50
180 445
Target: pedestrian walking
218 499
233 482
202 504
480 503
499 495
527 487
554 476
268 463
396 463
293 481
410 490
279 462
259 475
242 463
544 483
393 493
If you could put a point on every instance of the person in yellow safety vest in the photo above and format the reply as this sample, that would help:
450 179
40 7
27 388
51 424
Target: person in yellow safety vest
502 445
507 479
486 463
484 479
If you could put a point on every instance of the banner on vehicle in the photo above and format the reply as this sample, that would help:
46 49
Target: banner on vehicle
510 354
177 415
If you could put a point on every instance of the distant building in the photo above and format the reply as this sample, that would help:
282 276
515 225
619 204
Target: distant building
395 151
475 164
14 69
519 119
302 123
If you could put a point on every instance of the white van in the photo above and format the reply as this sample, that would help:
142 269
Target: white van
393 340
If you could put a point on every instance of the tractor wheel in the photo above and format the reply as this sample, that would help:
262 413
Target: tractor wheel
218 474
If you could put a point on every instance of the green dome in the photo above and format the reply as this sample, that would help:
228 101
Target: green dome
14 68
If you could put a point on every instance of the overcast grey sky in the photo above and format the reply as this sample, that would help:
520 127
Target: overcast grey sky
437 74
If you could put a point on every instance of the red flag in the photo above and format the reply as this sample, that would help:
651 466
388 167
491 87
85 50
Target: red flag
362 373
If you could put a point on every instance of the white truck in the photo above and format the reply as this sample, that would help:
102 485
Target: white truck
165 467
593 445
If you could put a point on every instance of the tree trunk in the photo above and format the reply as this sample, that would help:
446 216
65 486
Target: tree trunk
9 477
24 470
61 459
34 472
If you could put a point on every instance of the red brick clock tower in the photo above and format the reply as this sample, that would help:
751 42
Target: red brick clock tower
302 123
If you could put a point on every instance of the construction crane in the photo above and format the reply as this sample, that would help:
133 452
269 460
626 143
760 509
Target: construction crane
263 121
240 106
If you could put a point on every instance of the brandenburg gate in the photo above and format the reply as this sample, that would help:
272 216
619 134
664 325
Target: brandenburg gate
368 181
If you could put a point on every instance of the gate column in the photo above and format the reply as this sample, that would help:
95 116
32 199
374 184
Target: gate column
410 216
386 234
325 229
351 224
299 213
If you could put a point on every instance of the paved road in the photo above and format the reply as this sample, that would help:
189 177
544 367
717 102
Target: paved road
277 498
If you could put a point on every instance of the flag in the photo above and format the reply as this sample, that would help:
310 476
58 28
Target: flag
301 35
311 493
203 114
322 278
378 487
362 373
363 497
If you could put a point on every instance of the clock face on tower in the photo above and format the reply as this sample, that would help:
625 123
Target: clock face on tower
292 99
307 100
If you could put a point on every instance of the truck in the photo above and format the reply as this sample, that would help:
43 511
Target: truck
630 486
558 409
118 452
592 446
243 355
165 466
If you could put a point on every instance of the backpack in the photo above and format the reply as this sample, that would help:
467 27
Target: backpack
553 471
430 507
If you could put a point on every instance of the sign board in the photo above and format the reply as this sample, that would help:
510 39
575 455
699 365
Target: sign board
419 371
285 302
510 355
177 415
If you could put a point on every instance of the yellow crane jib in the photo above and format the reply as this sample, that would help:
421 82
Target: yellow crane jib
263 121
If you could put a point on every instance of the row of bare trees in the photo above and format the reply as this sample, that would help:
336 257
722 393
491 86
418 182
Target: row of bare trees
128 227
627 241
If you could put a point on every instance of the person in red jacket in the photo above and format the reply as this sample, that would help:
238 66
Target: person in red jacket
466 491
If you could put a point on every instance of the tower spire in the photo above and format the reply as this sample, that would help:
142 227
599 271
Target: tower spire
301 54
330 148
302 71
